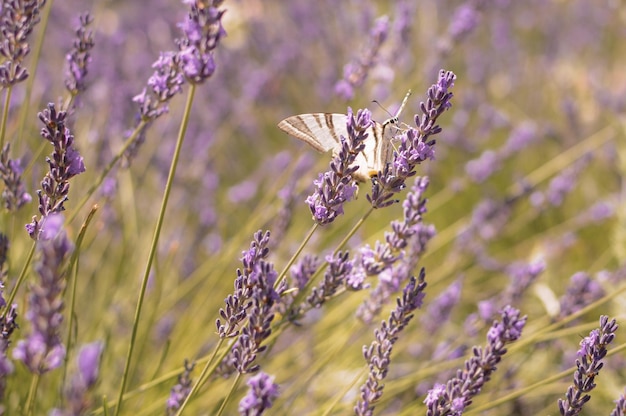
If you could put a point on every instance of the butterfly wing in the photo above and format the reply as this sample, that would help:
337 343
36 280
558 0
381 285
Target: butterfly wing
321 131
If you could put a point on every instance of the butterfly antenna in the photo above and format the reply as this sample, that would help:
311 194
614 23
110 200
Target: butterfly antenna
394 119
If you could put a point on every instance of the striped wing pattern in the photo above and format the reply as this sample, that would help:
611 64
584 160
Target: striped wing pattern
322 131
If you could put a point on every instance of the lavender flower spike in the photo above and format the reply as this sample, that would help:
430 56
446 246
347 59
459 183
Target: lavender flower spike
620 406
336 186
77 400
79 57
261 396
43 349
592 351
16 23
203 30
416 144
453 397
378 354
64 163
181 390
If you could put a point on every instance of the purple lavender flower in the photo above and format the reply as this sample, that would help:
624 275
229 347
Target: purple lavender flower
17 20
335 187
203 30
302 271
254 299
463 21
458 392
439 310
620 406
355 73
14 193
77 400
378 354
405 244
261 395
164 84
581 291
565 182
520 137
236 304
7 325
43 350
181 390
79 58
479 170
415 144
337 273
64 163
592 351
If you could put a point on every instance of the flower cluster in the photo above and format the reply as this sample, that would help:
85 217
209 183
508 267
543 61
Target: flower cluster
43 349
592 351
77 400
254 299
340 269
181 390
14 193
457 393
64 163
355 73
378 354
17 19
261 395
79 57
394 261
203 30
333 188
416 144
165 83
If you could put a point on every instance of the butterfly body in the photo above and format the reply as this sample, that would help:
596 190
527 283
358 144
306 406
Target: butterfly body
323 132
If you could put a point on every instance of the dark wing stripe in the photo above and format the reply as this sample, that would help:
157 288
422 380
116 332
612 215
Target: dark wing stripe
331 128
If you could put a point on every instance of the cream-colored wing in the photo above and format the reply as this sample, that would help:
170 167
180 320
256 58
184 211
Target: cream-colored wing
321 131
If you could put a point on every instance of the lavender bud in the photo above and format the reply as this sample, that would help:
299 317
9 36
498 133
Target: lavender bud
457 393
378 354
261 395
181 390
592 351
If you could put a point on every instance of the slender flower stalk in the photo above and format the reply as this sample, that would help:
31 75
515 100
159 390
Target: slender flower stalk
458 393
589 363
378 354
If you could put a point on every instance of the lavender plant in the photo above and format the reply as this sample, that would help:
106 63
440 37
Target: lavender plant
504 182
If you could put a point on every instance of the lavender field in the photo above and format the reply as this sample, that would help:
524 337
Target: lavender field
166 249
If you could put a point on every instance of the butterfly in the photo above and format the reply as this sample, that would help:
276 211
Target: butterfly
322 131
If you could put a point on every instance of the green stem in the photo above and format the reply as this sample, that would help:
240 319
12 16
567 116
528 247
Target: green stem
230 394
153 247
